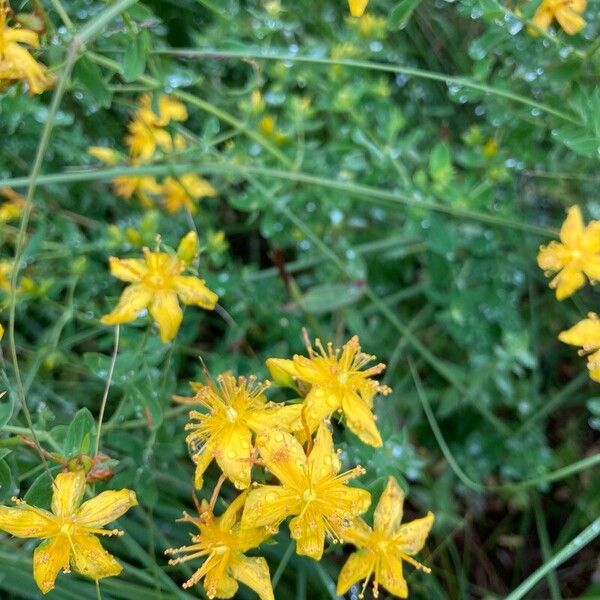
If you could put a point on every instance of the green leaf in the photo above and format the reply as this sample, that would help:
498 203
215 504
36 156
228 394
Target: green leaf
146 396
6 409
330 296
134 63
80 433
6 482
89 76
401 13
579 139
40 492
440 165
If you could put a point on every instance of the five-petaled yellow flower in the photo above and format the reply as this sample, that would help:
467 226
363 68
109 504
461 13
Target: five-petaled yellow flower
223 543
235 409
69 531
576 256
357 7
566 12
383 548
184 192
586 334
16 64
337 383
310 488
156 283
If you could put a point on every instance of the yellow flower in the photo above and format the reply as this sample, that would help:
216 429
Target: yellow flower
383 548
5 274
156 282
223 542
182 193
490 148
1 331
69 531
586 334
11 209
236 408
140 186
357 7
337 384
16 64
310 488
577 256
566 12
146 131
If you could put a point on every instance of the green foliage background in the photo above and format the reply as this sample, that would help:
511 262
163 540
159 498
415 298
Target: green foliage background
394 220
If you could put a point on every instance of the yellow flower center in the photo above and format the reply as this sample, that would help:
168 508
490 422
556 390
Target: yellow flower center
232 414
309 495
155 280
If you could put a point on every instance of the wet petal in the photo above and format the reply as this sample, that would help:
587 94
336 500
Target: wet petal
246 539
167 314
570 21
358 566
390 575
571 230
388 514
232 451
68 490
230 517
127 269
309 532
411 536
50 557
361 420
192 290
26 521
318 406
323 461
253 572
105 508
134 299
283 456
201 459
272 417
269 505
226 586
91 559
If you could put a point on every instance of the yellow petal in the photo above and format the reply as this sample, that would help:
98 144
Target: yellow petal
318 405
269 505
570 21
166 312
201 459
232 451
50 557
106 155
253 572
272 417
388 514
246 539
361 420
411 536
192 290
171 110
553 257
357 7
230 517
390 575
188 247
542 18
323 461
24 36
26 521
226 586
68 490
105 507
282 371
309 532
586 333
127 269
571 231
133 300
91 559
568 281
591 268
284 457
215 573
358 566
358 533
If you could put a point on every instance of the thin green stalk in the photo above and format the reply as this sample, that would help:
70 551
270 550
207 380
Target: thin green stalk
366 193
375 66
111 369
285 559
588 535
542 529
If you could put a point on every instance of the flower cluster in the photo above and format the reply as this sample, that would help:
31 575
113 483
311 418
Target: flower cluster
282 459
575 260
566 12
16 63
149 137
157 284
